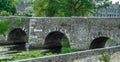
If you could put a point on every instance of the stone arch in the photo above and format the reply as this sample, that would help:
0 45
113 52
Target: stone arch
53 41
99 42
17 37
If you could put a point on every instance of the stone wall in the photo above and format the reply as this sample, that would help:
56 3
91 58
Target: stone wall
80 31
81 56
41 27
15 22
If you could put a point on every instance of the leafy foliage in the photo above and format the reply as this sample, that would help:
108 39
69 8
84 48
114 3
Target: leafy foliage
18 22
78 7
65 43
105 57
67 7
4 26
66 46
39 8
8 5
4 60
109 41
48 54
4 13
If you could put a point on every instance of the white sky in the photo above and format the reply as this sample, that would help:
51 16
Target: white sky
113 1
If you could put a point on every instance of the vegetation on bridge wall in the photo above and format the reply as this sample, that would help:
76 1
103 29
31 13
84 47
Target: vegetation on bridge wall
5 25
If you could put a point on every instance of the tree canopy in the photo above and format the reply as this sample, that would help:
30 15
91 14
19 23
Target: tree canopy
8 5
67 8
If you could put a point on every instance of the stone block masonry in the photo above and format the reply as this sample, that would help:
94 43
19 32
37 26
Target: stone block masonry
80 31
81 56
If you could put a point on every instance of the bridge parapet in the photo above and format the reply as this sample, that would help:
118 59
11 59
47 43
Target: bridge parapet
81 56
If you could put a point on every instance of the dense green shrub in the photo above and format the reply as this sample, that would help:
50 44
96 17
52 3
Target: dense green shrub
4 13
66 46
65 42
109 41
105 57
4 26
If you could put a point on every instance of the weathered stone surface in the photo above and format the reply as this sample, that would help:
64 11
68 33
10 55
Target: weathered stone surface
115 57
80 31
81 56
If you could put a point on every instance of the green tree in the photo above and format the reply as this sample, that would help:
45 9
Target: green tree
17 1
8 5
40 7
78 7
67 7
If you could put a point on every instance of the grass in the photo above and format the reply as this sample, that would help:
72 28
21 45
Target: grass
105 57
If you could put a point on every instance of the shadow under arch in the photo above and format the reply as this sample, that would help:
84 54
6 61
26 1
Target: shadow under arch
55 41
99 42
17 37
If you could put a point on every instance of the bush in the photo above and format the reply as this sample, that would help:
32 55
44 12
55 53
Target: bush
4 13
109 41
105 57
65 42
4 26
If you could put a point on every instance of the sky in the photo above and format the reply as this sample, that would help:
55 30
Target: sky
113 1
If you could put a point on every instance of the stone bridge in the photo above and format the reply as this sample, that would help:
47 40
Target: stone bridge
82 33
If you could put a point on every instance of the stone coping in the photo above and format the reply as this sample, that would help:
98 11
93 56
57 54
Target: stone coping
58 17
72 56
